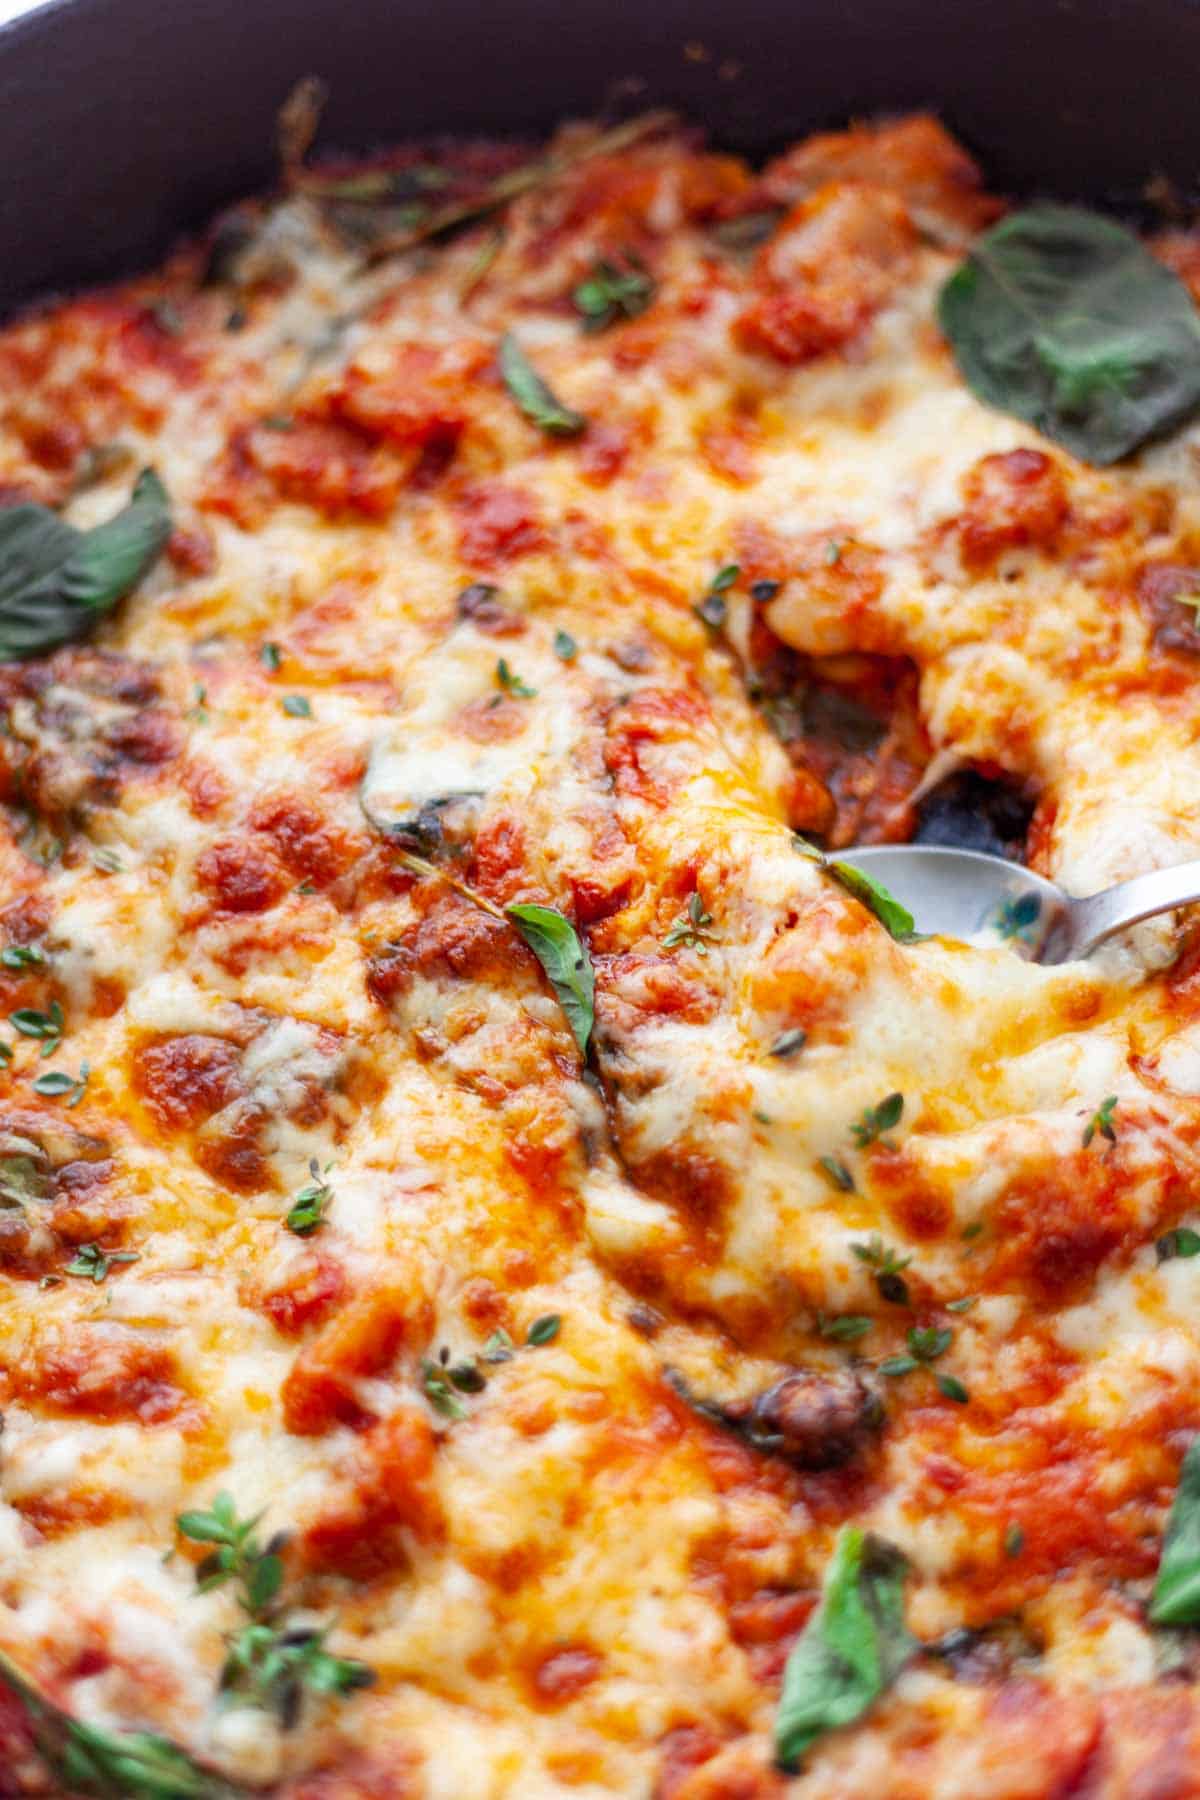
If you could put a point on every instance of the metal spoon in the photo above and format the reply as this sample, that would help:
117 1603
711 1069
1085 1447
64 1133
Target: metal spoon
965 894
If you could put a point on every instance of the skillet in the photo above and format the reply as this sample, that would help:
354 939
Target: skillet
123 122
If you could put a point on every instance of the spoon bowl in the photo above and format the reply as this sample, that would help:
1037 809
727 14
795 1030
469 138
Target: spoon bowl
970 895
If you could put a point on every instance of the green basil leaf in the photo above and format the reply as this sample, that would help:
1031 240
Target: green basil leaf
112 1765
1176 1596
56 582
1064 319
877 899
854 1645
532 395
563 955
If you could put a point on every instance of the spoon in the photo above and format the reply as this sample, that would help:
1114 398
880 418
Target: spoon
966 893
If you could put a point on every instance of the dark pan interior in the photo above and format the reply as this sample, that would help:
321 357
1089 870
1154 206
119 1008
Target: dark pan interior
124 121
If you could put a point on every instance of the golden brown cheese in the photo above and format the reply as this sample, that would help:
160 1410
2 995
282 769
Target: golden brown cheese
387 589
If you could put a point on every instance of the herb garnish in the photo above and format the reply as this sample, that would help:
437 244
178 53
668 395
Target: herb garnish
467 1378
439 1391
270 656
844 1328
887 1268
1063 318
565 647
443 1380
878 899
1182 1241
711 609
56 582
308 1209
890 912
564 958
269 1663
925 1344
951 1388
297 706
535 399
440 221
611 292
22 956
788 1043
1014 1540
691 928
112 1765
509 682
837 1172
93 1263
56 1083
1101 1122
48 1026
876 1120
547 932
852 1648
1176 1596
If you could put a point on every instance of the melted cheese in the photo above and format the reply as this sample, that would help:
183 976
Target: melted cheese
584 1585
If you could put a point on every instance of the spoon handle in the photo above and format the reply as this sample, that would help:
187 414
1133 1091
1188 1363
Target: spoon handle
1085 923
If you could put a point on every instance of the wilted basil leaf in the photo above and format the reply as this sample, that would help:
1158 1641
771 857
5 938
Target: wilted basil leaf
854 1645
1176 1596
532 395
563 955
113 1765
887 909
1063 318
56 583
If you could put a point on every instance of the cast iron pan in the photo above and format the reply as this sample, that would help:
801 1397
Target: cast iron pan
124 121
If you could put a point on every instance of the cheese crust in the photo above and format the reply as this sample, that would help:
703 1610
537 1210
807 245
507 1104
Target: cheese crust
389 596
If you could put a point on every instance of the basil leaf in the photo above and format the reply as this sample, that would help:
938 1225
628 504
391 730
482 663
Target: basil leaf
563 956
1176 1596
532 395
1064 319
113 1765
876 898
854 1645
57 582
